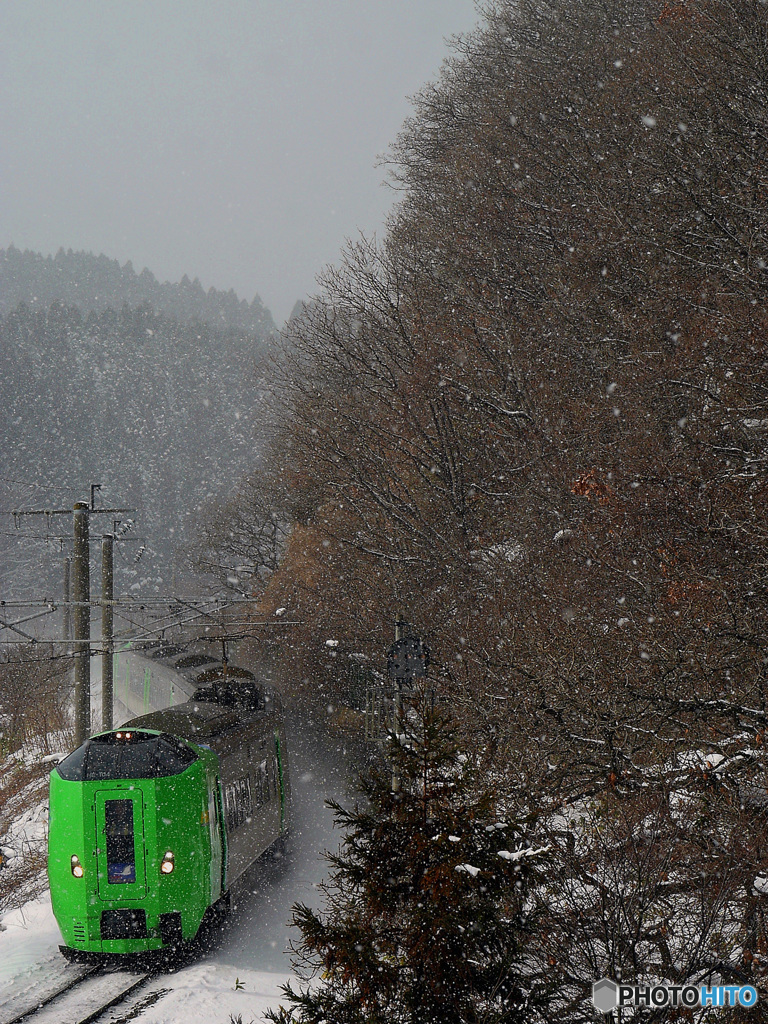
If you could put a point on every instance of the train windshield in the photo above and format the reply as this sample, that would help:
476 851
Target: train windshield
127 755
118 829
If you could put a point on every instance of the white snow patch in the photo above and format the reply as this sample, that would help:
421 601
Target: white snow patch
508 551
52 759
28 935
206 993
520 854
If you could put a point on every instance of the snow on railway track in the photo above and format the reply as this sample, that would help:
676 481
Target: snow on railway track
91 995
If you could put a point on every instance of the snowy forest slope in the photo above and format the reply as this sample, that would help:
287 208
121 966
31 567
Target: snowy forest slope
156 401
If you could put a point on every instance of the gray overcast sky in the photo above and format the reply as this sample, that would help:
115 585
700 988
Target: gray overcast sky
232 140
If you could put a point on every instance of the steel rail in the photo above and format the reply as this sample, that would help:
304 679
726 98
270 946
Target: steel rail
38 1005
42 1009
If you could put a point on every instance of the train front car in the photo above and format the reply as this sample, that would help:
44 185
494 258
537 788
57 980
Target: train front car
135 848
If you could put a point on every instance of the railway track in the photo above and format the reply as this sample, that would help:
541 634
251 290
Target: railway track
91 995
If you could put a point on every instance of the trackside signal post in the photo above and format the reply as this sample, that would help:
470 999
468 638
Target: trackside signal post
407 660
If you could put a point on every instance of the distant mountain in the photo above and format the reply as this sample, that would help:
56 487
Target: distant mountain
149 390
95 283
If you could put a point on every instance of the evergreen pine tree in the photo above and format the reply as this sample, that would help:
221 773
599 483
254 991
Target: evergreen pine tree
428 909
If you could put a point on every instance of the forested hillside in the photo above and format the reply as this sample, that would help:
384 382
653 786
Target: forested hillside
162 411
95 283
534 420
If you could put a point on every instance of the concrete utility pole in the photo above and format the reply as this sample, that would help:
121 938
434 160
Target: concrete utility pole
107 630
66 623
81 587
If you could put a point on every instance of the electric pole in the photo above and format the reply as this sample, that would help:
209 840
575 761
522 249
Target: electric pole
81 587
66 623
107 630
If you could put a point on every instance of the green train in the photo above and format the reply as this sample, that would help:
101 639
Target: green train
152 823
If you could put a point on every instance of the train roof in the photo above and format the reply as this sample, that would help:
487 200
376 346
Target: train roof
193 662
215 709
193 721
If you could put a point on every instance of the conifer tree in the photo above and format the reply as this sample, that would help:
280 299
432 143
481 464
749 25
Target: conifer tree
428 912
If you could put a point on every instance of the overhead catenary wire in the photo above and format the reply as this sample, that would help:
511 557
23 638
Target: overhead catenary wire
243 631
125 608
182 611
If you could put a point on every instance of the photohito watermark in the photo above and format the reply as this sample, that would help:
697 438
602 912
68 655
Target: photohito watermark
607 995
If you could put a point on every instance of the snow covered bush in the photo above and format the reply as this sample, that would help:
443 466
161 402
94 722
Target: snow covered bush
35 697
23 829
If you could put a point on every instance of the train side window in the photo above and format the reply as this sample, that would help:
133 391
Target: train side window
237 806
72 768
259 777
230 808
225 807
238 802
172 757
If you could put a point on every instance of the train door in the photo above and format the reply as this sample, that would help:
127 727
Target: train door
120 850
223 838
216 834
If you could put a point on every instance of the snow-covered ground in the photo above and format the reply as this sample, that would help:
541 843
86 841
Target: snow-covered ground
29 936
208 992
213 993
242 976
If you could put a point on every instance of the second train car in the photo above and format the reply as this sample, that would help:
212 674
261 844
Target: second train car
152 823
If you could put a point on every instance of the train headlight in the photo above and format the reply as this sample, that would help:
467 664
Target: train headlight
75 866
167 865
